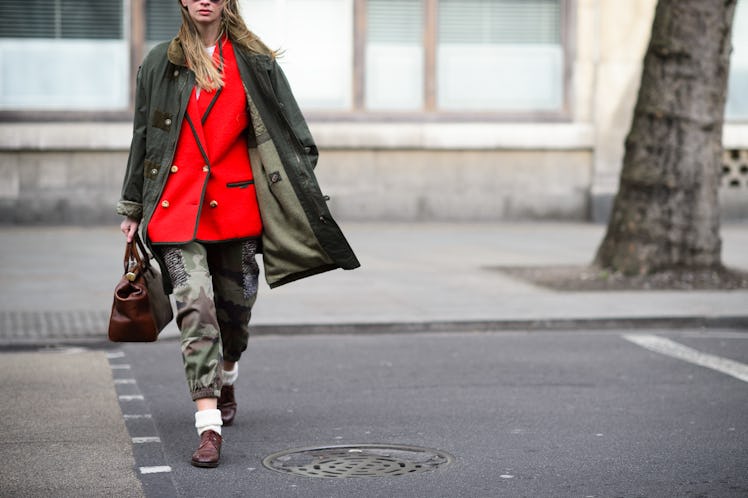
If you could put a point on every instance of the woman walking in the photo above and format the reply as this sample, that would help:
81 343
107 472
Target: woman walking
221 168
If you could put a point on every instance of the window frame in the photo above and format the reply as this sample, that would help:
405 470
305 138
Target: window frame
430 112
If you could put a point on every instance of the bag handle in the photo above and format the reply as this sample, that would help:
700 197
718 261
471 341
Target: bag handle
132 254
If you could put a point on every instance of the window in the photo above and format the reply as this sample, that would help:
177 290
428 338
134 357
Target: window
470 56
162 21
394 55
63 54
737 98
316 38
499 55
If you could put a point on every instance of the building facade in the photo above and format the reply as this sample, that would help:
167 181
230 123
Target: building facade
459 110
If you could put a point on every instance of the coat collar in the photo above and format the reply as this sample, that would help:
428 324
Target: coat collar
175 53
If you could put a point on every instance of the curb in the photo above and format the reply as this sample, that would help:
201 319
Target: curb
560 324
99 341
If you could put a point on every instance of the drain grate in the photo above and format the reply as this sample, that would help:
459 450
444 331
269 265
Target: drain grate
367 460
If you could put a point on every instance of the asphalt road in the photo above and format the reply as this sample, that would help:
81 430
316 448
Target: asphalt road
523 414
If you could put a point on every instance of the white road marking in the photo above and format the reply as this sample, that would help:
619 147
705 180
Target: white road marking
136 416
120 366
141 440
124 381
115 354
670 348
131 397
155 470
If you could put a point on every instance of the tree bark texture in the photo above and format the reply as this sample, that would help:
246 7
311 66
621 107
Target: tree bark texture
666 213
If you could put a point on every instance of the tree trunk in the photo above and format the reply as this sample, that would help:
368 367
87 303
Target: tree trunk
666 213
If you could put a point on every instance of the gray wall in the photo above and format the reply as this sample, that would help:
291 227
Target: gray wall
60 186
406 185
71 173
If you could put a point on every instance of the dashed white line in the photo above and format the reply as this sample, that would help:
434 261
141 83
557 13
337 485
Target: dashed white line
155 470
142 440
131 397
670 348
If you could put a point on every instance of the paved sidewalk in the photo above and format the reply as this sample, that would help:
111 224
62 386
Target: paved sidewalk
56 284
63 432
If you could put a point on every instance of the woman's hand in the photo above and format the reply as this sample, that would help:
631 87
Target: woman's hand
129 227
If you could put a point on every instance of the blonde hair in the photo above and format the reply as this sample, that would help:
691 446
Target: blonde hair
207 74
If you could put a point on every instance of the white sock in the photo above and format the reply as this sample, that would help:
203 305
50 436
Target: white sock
230 376
208 420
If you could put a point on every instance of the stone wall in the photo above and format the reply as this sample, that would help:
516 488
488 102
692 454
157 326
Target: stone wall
71 173
457 185
79 187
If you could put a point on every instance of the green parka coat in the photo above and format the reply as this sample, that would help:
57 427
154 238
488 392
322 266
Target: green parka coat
299 237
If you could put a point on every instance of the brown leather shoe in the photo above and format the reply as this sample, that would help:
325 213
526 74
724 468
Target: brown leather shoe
209 451
227 405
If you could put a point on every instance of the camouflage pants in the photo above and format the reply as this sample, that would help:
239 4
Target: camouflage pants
215 287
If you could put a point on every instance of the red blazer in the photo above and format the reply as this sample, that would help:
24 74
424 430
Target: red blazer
209 195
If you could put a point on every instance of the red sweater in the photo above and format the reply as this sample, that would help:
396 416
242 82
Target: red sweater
209 195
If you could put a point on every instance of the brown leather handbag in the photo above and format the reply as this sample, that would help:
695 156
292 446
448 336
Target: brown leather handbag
141 308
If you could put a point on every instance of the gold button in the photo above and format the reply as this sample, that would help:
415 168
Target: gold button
154 171
176 73
206 168
165 204
174 169
213 204
167 122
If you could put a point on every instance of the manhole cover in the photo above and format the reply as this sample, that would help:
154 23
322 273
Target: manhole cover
367 460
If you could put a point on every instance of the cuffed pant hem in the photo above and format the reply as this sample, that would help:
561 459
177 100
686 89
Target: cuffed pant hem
206 392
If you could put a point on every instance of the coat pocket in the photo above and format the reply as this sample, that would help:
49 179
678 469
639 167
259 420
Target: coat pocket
162 120
242 184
